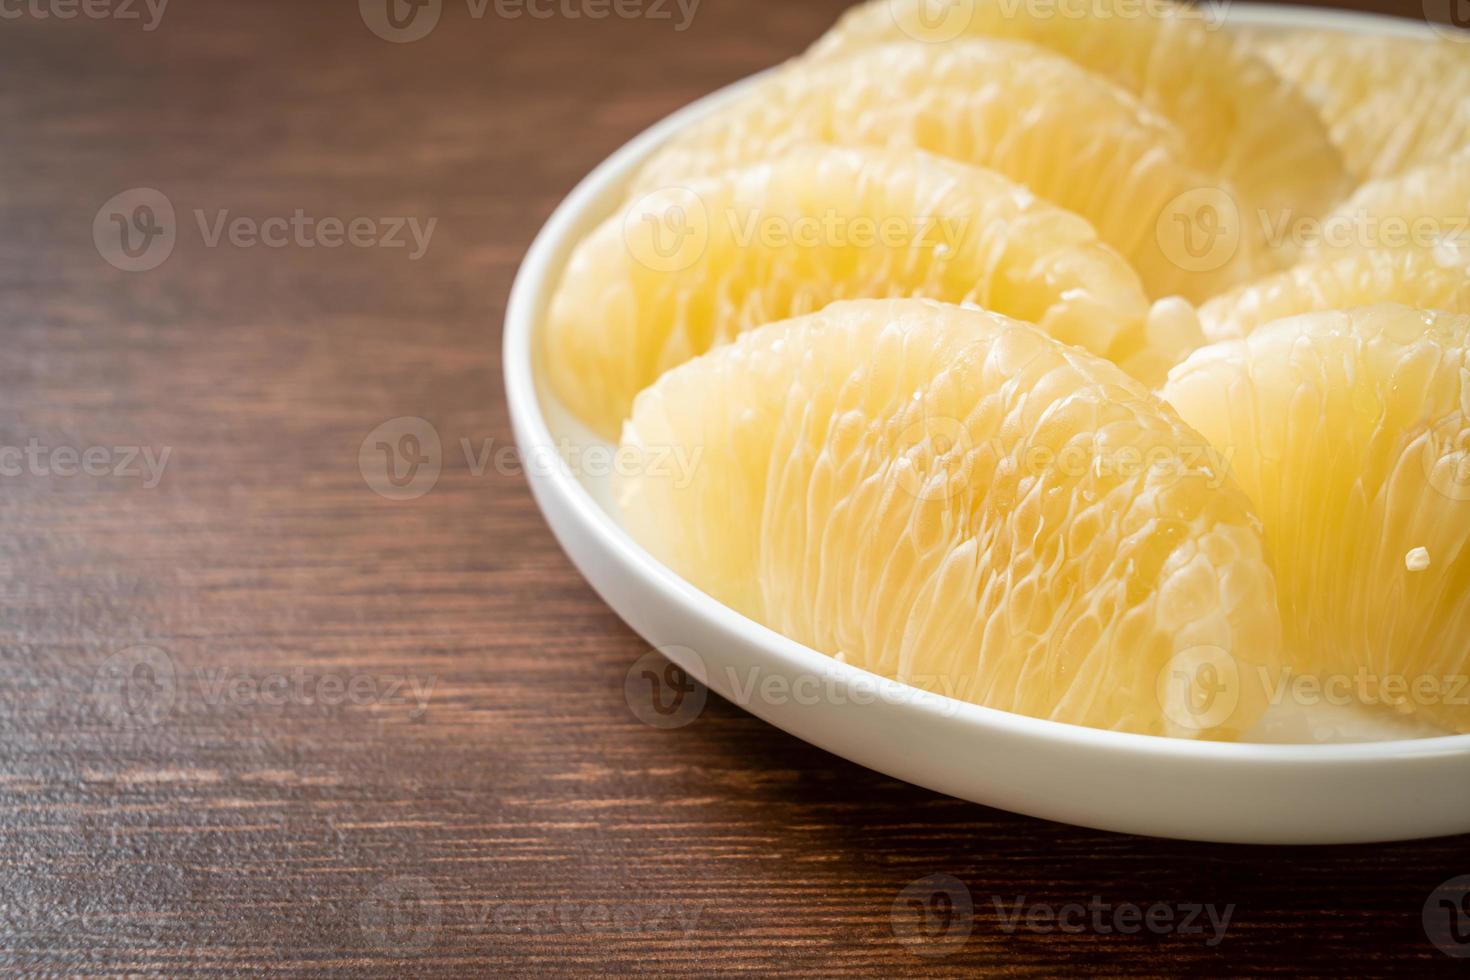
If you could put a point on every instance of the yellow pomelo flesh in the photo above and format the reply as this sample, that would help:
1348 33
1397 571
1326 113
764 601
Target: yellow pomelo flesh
1411 277
1240 119
1427 208
1391 103
1073 138
678 272
1350 431
952 499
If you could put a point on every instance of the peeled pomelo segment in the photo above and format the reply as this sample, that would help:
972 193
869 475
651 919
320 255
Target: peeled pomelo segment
1413 277
1391 104
1239 118
1425 208
1350 431
676 273
952 499
1072 137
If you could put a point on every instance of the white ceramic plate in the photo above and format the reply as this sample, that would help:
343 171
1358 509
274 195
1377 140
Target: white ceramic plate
1375 779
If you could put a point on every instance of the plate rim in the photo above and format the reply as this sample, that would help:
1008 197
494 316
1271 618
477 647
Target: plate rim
532 432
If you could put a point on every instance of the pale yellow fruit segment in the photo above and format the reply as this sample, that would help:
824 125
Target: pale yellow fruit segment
1072 137
1350 431
1427 207
952 499
675 273
1391 103
1240 119
1410 276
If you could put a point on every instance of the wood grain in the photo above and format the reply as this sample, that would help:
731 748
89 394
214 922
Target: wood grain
272 798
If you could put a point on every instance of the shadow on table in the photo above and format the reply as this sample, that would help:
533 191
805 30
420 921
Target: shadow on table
956 884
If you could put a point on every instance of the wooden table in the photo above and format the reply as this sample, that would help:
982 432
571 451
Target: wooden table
256 716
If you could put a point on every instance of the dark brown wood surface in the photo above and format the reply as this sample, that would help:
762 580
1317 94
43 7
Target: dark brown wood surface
213 756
